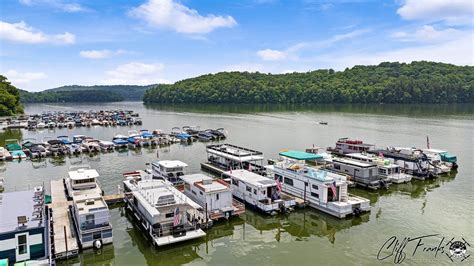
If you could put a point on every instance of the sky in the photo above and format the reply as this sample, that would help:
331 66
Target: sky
51 43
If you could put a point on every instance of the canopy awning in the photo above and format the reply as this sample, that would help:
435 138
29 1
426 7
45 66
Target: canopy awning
301 155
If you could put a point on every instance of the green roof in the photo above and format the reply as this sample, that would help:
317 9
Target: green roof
301 155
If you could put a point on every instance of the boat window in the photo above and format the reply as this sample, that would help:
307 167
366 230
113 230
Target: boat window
280 178
338 167
305 184
249 189
200 192
194 192
217 196
254 191
169 215
263 192
316 195
288 181
22 244
315 187
235 182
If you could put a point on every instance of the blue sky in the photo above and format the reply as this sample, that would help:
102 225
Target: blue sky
50 43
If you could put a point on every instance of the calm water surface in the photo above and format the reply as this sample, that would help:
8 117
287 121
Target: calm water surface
305 237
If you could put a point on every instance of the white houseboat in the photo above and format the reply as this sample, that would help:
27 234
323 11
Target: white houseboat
214 195
170 170
415 164
92 220
347 145
225 157
323 190
258 191
364 174
90 212
387 169
82 179
165 214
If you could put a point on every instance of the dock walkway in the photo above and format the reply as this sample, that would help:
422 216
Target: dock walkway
64 236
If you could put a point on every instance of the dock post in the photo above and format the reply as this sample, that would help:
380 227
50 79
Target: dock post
304 196
207 218
65 241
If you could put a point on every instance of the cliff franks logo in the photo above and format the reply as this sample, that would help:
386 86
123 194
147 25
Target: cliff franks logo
458 250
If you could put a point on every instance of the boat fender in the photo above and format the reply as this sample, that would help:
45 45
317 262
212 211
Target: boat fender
98 244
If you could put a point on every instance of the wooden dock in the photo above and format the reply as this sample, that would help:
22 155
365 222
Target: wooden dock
300 203
114 198
64 235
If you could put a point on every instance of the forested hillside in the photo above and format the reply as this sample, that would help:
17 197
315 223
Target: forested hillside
9 98
69 96
417 82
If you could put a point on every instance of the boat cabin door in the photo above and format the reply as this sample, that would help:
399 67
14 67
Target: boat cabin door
22 248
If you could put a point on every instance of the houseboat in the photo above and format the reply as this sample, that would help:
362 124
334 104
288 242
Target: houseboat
323 190
224 157
82 179
415 164
170 170
347 145
387 169
23 227
259 192
92 220
442 159
214 195
91 145
364 174
165 214
106 146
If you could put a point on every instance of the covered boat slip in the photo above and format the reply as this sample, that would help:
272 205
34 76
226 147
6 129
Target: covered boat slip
224 157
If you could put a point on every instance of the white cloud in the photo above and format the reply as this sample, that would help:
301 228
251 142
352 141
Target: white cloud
20 79
21 32
59 4
169 14
450 11
292 51
271 55
100 54
428 33
135 73
458 51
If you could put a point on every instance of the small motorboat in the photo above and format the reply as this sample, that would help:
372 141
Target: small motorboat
91 145
106 146
71 148
14 147
323 123
2 183
205 136
4 154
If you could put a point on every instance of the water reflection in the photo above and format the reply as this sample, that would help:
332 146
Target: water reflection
10 134
386 109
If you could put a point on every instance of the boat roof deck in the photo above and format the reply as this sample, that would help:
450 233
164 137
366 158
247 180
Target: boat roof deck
197 180
301 155
354 162
251 178
15 204
83 174
170 163
395 154
149 191
86 204
235 153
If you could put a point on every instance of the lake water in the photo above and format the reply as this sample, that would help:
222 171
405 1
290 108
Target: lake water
305 237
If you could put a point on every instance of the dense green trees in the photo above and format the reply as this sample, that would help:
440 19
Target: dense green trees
127 92
9 98
417 82
70 96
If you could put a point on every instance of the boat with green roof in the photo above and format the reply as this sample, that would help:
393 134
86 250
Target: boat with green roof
321 189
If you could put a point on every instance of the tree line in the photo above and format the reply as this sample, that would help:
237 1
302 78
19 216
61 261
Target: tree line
417 82
9 98
70 96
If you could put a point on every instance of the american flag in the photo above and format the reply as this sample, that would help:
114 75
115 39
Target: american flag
177 219
333 188
278 184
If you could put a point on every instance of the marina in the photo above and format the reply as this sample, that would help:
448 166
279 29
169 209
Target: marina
316 174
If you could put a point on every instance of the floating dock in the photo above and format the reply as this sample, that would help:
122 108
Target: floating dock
64 236
212 169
